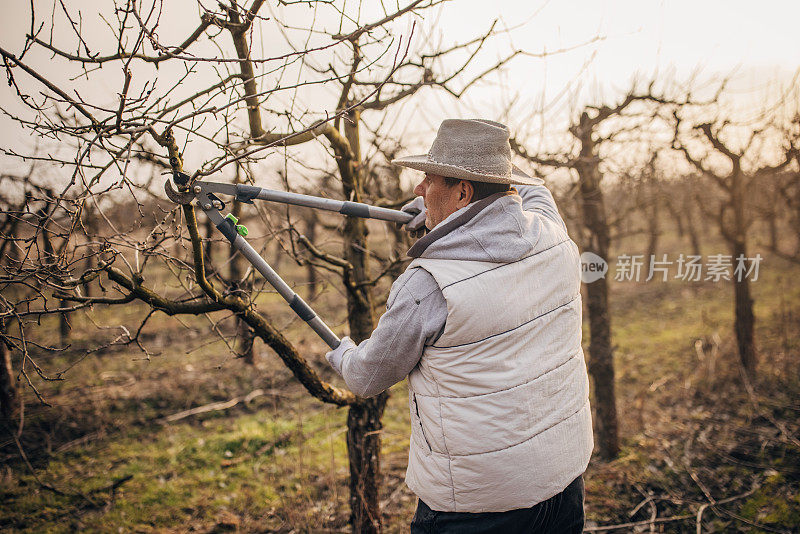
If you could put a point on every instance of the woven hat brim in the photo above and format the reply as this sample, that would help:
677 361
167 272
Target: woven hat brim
422 163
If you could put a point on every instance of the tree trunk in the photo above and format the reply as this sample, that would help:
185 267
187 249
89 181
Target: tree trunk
653 231
91 264
400 246
363 421
694 239
209 248
247 339
743 307
9 400
8 246
772 222
363 451
91 227
745 319
51 260
311 271
64 326
601 369
601 357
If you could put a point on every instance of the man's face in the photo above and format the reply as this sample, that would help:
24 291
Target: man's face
440 199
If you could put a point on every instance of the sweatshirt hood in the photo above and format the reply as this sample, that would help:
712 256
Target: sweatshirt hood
495 229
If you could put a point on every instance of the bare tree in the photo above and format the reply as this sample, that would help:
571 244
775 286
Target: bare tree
734 214
221 115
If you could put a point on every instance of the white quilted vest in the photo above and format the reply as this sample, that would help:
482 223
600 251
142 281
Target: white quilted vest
499 404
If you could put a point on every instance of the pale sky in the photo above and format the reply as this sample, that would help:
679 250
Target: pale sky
670 39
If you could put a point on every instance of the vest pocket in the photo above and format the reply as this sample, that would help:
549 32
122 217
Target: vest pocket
418 420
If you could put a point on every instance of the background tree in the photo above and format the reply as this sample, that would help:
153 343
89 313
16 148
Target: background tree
734 213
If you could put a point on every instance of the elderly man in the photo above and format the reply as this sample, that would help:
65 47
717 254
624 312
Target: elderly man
486 324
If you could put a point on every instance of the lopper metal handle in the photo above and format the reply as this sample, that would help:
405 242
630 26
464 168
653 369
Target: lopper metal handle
356 209
298 305
248 193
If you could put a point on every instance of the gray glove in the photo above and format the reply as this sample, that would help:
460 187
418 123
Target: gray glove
416 226
335 356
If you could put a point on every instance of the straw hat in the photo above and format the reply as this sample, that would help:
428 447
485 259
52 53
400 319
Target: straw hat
471 149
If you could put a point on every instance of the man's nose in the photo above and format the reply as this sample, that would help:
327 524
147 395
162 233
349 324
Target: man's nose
419 190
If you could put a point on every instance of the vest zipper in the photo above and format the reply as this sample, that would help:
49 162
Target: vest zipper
419 419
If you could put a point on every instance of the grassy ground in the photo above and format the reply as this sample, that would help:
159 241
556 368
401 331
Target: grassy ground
104 459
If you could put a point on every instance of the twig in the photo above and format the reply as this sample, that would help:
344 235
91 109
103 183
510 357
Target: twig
215 406
393 496
79 441
606 528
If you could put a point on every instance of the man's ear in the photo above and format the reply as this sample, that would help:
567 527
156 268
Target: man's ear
465 193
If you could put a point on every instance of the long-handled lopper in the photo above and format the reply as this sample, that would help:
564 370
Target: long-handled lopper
205 194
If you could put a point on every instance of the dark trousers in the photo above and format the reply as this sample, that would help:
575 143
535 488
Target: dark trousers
562 513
